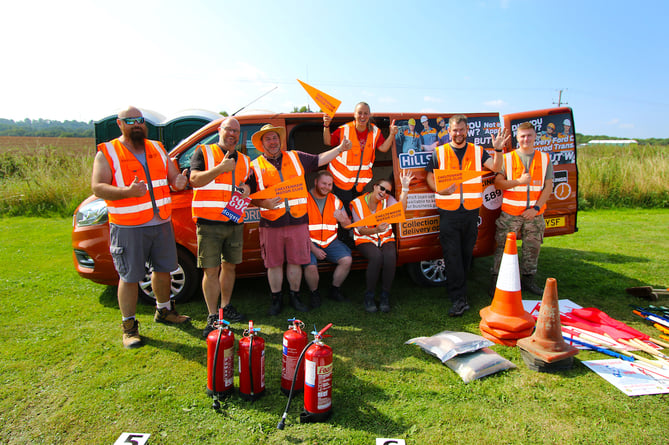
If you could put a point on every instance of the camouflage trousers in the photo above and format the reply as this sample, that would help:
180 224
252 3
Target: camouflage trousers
531 231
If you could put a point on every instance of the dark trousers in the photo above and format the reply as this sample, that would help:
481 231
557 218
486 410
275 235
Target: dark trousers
378 259
458 231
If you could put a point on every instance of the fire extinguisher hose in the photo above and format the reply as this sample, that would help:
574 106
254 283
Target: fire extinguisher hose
250 364
216 404
282 422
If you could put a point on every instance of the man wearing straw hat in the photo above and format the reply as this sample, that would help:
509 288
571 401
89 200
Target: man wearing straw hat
284 222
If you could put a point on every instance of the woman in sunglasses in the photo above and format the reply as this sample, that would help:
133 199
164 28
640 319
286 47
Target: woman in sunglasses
377 243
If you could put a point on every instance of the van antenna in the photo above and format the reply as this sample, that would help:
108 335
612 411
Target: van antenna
257 98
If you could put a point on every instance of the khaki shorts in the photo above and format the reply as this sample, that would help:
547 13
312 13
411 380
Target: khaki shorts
217 243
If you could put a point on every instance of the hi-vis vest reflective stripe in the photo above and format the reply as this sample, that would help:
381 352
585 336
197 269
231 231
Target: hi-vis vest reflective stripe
515 199
469 193
125 167
355 164
323 228
210 200
267 175
361 209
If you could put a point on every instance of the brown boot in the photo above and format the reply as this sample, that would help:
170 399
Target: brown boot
131 338
527 283
170 316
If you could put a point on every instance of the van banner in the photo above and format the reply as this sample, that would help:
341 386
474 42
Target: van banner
390 215
290 189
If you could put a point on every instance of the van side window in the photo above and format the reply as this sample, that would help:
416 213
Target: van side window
245 145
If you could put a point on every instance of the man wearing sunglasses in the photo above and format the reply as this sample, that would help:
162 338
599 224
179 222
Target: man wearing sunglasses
133 175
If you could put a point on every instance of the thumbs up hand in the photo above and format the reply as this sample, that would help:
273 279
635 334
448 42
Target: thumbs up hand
137 188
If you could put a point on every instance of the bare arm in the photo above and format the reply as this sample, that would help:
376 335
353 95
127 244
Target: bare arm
101 182
391 138
327 136
326 157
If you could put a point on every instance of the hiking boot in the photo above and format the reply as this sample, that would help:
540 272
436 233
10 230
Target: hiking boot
493 285
276 306
231 314
169 316
336 294
384 303
527 283
211 319
296 303
458 308
315 299
131 338
370 305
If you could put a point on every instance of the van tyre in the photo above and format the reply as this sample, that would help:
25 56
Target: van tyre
185 280
428 273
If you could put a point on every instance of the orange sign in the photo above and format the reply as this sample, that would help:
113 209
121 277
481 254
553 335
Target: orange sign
392 214
289 189
445 178
327 103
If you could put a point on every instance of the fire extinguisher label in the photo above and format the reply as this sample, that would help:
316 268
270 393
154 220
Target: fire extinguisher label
228 367
309 373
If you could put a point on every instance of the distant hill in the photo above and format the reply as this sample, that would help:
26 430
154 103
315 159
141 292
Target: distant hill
584 138
46 128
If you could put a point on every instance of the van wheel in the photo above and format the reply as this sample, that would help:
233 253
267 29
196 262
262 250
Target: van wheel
185 280
428 273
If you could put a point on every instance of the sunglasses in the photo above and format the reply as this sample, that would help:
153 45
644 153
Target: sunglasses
133 120
383 189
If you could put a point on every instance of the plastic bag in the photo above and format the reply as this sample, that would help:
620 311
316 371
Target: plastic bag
478 364
447 344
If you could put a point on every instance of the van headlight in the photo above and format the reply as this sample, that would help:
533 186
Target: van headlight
95 212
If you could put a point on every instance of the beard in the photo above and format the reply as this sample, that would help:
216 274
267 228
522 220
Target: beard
138 135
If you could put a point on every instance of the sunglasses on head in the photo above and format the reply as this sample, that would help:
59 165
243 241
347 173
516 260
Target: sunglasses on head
383 189
133 120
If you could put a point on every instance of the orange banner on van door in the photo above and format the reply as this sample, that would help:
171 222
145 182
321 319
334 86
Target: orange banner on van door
290 189
393 214
328 104
446 178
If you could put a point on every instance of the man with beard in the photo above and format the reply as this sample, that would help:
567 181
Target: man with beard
458 204
326 212
217 171
133 175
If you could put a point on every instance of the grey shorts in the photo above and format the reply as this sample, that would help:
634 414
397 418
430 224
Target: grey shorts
219 242
138 250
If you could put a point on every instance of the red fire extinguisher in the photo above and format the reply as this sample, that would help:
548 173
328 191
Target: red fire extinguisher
294 341
251 364
220 361
317 381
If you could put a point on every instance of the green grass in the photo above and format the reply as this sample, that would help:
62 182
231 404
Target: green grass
66 378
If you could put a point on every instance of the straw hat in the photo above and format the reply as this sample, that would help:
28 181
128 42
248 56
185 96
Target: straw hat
257 136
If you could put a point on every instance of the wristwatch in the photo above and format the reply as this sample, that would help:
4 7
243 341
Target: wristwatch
537 208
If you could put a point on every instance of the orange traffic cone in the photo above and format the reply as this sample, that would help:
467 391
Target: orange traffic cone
546 350
506 311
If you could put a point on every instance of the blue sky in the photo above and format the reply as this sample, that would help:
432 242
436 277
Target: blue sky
86 60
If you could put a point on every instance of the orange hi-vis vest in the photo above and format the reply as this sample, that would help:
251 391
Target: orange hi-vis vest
323 227
267 175
468 193
521 197
361 209
125 167
354 167
210 199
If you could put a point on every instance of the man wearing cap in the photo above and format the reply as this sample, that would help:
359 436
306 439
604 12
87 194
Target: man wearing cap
549 133
458 204
134 175
526 181
566 129
325 214
407 138
428 136
284 223
217 172
442 135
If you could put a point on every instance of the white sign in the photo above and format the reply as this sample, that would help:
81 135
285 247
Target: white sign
421 201
132 439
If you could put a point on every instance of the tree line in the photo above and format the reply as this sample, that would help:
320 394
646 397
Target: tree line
46 128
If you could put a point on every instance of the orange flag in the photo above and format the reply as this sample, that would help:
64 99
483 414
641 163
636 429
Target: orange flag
446 178
289 189
392 214
327 103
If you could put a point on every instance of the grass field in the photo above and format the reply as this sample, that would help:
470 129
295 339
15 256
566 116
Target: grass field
66 378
